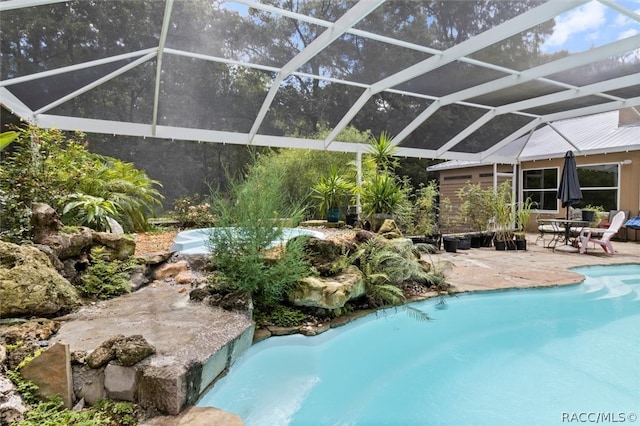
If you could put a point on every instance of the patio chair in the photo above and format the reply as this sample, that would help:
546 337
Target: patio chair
587 234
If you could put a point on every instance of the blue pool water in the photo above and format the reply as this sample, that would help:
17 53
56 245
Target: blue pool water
196 241
522 357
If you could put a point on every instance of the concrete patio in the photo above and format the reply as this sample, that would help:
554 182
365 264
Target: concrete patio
487 269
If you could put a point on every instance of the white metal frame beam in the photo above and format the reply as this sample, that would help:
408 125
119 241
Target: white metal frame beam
346 21
505 30
168 7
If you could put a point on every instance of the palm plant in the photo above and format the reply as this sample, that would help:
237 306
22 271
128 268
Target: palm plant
381 151
382 194
386 267
331 191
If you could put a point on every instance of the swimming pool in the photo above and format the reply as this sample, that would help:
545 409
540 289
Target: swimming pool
196 241
530 357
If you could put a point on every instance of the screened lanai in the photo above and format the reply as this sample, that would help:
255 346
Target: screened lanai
447 79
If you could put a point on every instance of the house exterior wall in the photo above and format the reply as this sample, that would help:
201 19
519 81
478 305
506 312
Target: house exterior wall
629 181
452 180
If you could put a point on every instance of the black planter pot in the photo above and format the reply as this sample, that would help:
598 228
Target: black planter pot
500 245
351 219
521 244
511 244
476 241
588 215
464 243
486 240
450 244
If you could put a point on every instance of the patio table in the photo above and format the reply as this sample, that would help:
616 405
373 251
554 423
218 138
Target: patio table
567 224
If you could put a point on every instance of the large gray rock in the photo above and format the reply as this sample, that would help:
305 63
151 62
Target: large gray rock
44 221
30 285
133 349
12 407
68 244
326 255
104 353
329 292
119 246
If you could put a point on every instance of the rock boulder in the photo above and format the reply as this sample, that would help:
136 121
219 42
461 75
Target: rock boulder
328 292
30 285
12 407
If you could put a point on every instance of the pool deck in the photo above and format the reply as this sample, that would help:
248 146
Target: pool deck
472 270
487 269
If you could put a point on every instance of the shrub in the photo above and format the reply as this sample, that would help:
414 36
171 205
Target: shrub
52 167
104 413
250 219
190 213
106 279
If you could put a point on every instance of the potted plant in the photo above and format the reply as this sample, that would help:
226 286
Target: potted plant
381 196
331 192
522 220
476 207
590 212
503 218
422 220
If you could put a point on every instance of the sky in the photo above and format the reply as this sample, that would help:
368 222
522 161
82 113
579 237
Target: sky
592 25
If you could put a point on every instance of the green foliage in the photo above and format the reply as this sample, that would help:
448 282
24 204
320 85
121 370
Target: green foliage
52 167
524 213
422 216
383 193
504 212
106 279
381 152
191 213
477 206
250 220
27 389
375 260
280 315
385 268
88 210
332 190
104 413
6 138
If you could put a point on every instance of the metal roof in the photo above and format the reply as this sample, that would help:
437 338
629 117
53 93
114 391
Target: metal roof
496 103
594 134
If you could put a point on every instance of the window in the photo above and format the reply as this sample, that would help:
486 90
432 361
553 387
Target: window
599 185
541 185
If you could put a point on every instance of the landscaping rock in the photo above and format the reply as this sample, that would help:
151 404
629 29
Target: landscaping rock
364 235
51 371
197 416
133 349
328 292
12 407
103 353
235 301
44 221
389 229
119 246
34 330
324 255
170 270
68 244
30 285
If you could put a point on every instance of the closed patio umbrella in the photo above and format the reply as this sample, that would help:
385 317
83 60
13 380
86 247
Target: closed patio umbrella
569 190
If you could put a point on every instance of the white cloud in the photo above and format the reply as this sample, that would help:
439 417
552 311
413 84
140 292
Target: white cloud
588 17
629 33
